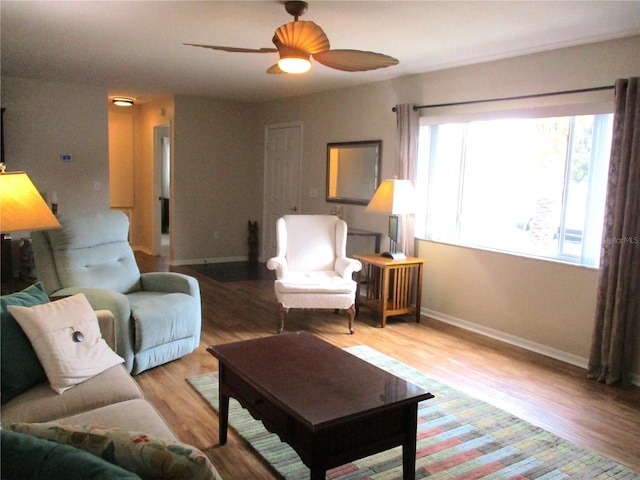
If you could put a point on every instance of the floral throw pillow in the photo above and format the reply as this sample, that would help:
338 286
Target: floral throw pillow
148 457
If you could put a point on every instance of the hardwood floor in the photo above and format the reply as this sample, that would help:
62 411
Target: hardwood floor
546 392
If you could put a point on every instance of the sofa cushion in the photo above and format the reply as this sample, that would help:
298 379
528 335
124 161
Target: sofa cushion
147 456
27 457
66 337
162 318
135 414
21 368
315 282
92 249
42 404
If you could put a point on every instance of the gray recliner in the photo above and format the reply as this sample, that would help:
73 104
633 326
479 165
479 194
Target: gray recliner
158 315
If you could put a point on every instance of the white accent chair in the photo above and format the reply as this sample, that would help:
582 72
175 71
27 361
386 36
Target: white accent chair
158 314
311 264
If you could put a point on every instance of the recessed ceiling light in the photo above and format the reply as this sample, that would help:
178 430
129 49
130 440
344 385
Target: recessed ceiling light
123 101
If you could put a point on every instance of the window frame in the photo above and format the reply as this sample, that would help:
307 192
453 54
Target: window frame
597 175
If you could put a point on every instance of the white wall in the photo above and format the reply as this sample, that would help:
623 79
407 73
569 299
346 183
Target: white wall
121 177
355 114
218 154
146 116
215 178
542 305
548 306
45 119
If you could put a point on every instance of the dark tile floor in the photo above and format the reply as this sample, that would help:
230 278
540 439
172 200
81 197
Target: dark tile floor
235 271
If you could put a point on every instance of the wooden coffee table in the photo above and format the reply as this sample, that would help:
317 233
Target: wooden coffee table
329 405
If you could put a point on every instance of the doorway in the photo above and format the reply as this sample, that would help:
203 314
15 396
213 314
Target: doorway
161 241
282 158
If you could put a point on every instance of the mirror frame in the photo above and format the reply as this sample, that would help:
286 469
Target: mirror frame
377 167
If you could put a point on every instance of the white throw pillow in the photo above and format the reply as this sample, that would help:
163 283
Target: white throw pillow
68 358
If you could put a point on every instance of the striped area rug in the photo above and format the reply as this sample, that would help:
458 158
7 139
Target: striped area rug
459 437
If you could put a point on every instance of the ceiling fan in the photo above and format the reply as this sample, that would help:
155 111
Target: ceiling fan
296 42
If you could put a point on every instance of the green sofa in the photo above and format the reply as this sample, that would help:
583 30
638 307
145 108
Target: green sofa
112 400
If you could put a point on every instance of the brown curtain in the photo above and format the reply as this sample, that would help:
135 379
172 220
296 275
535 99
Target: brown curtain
408 127
613 348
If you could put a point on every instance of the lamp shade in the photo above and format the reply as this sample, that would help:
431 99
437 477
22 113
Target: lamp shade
21 205
394 197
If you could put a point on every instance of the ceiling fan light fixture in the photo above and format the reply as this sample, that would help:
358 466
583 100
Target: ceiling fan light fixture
123 101
294 64
297 41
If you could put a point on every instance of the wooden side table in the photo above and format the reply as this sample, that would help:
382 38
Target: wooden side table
390 285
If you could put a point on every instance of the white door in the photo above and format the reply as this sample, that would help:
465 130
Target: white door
282 158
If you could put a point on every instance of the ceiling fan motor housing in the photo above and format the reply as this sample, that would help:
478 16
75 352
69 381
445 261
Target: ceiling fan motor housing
296 8
306 37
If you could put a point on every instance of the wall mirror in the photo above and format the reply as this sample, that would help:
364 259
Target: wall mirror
353 171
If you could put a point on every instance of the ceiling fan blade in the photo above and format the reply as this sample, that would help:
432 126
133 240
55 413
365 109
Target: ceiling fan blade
302 35
275 69
354 60
233 49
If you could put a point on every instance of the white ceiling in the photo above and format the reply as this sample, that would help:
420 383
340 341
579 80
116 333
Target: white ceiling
135 47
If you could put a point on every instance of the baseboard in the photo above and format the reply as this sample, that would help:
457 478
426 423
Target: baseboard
507 338
204 261
516 341
195 261
138 248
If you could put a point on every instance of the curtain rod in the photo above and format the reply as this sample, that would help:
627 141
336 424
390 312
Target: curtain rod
520 97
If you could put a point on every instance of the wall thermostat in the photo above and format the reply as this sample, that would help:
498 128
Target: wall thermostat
65 157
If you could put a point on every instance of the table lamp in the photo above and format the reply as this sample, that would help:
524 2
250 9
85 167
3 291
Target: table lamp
397 198
22 208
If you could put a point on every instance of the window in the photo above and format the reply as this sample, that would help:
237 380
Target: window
532 186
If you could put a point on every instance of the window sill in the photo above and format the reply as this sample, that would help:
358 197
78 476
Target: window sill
512 254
